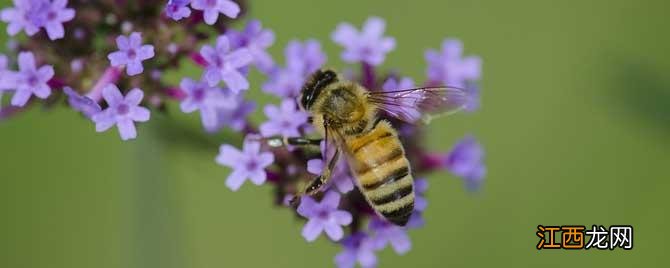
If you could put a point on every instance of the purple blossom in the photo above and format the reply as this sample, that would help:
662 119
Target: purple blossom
385 233
121 111
31 80
306 57
19 17
246 164
31 15
257 40
7 77
358 247
323 216
208 100
340 175
131 53
212 8
236 117
405 107
52 16
450 68
80 103
285 82
284 120
369 45
420 188
178 9
223 64
466 160
302 59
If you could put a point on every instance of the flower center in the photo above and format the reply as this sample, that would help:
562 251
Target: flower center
122 109
211 3
218 62
199 94
32 80
366 51
132 53
323 214
252 165
286 124
51 15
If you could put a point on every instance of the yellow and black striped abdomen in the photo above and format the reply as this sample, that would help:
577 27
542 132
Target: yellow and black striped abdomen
377 160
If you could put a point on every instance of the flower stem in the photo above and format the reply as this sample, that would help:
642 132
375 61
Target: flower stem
369 77
111 75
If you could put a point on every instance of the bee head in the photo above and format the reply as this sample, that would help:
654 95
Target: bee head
314 86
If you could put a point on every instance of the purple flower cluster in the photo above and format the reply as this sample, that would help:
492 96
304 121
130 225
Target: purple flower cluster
178 9
32 15
103 77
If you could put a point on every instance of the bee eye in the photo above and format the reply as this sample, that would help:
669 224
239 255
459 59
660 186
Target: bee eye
311 90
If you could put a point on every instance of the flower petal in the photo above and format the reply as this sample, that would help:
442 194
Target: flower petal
140 114
312 230
228 156
112 95
334 231
126 129
21 97
229 8
235 81
235 180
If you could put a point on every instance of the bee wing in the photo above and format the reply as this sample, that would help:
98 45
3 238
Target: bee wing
423 103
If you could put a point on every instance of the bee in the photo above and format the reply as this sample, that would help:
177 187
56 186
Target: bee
347 115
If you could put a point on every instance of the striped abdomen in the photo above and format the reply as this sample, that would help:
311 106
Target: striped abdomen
377 160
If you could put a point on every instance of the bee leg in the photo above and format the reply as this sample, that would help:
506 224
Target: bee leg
318 182
280 141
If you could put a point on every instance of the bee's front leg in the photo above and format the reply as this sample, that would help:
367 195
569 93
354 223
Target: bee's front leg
315 185
280 141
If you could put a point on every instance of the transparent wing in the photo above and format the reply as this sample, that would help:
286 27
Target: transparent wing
423 103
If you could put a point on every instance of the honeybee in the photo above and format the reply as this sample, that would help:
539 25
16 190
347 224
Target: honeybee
347 115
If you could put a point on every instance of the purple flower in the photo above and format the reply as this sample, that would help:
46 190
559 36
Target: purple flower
223 64
80 103
369 45
340 174
358 247
255 39
285 120
7 77
301 61
212 8
448 66
131 53
177 9
466 161
420 188
323 216
306 57
121 111
19 17
236 117
405 108
52 16
200 96
473 102
385 233
31 15
31 80
285 82
246 164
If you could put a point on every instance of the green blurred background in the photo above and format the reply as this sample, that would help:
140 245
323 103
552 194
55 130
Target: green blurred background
575 122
